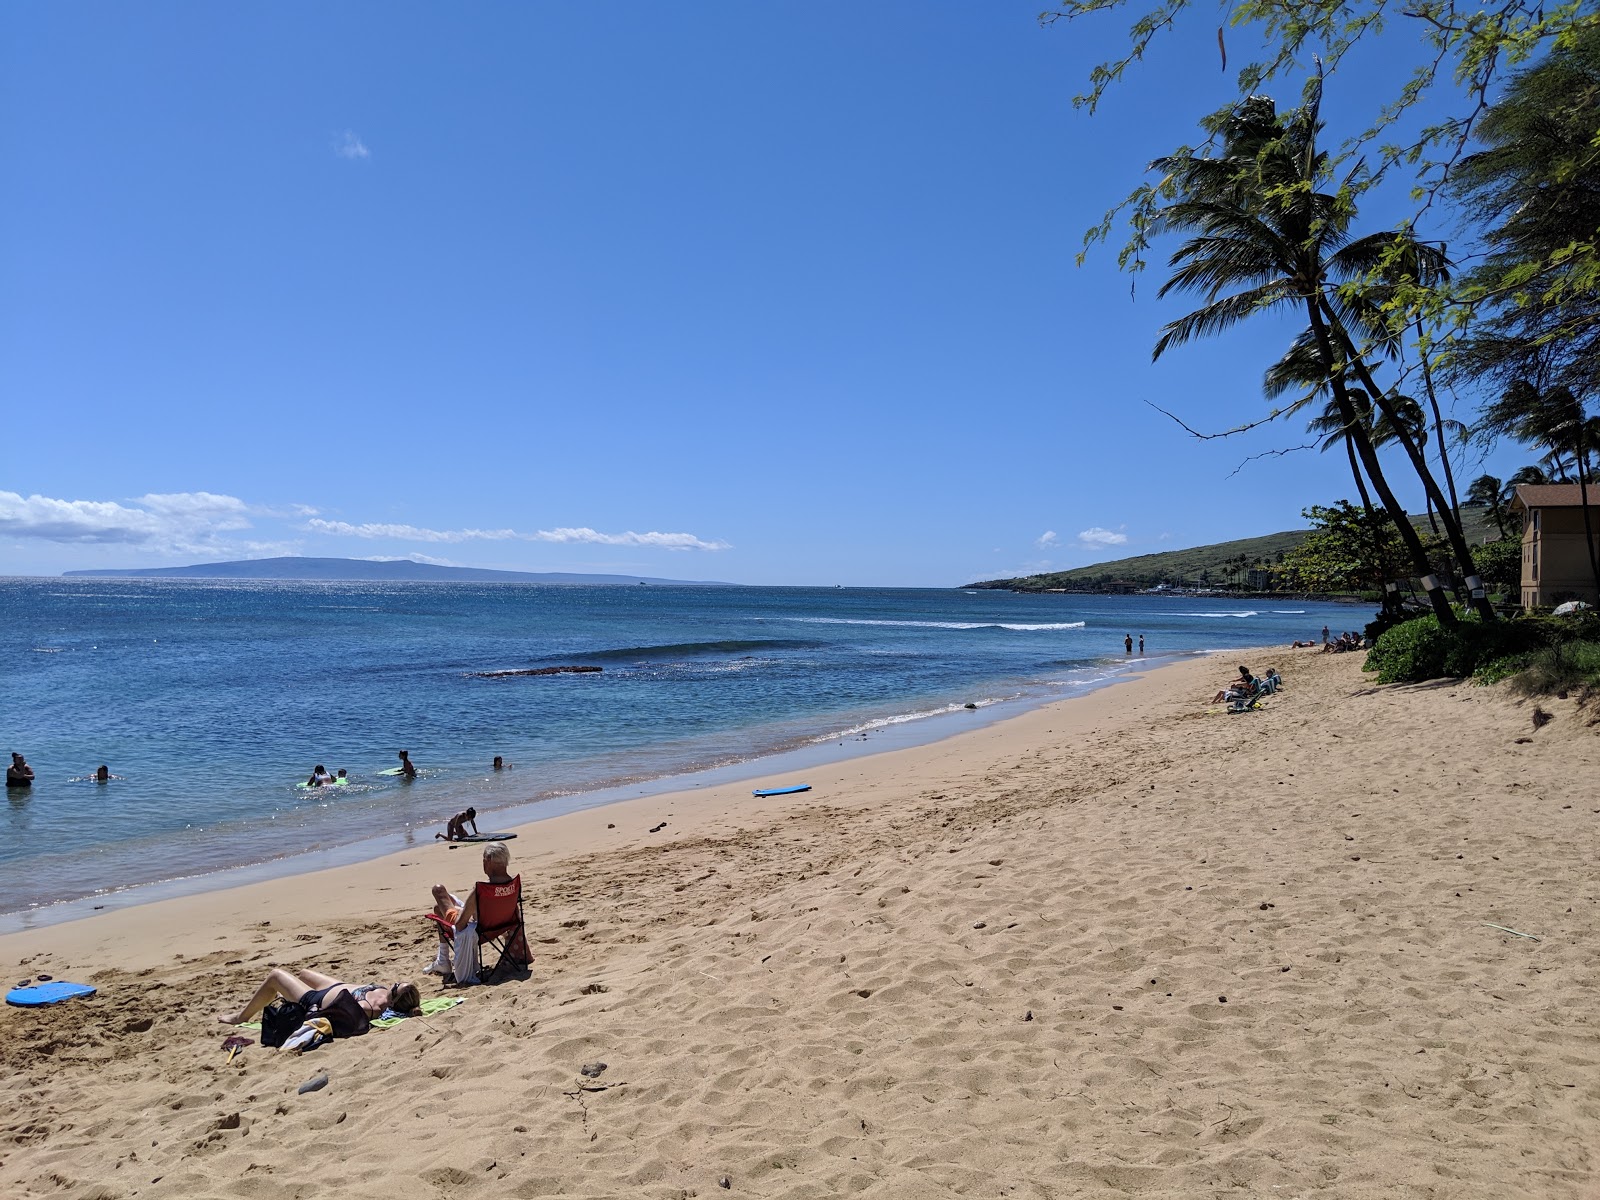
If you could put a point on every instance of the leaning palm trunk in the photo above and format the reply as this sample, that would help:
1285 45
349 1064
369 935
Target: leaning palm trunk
1371 513
1452 525
1438 433
1369 460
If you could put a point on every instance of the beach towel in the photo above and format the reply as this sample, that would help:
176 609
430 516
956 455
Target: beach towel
390 1019
437 1004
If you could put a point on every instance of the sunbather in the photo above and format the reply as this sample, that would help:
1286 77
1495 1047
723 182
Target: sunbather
1246 687
311 988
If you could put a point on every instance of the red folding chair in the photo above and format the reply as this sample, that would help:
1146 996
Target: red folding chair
499 923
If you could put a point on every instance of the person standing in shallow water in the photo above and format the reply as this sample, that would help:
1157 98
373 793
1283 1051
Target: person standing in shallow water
19 773
1127 643
1141 643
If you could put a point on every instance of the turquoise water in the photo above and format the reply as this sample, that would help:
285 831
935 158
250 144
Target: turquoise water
214 699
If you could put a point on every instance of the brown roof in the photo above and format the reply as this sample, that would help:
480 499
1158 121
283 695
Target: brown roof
1553 495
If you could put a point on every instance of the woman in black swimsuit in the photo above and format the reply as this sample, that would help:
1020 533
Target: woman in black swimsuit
312 988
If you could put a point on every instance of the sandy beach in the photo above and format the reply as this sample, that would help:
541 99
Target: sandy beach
1125 945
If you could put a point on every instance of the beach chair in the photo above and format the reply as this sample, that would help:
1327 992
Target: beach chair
1250 703
500 924
500 927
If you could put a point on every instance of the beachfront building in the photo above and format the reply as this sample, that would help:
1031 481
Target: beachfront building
1555 564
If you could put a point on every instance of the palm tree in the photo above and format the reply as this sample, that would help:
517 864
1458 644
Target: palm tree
1263 236
1489 492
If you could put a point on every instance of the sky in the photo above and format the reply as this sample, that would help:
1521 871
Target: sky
764 293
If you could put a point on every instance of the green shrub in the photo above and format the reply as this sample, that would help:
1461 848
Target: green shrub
1385 621
1419 649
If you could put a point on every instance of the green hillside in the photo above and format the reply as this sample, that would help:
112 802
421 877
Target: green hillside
1218 565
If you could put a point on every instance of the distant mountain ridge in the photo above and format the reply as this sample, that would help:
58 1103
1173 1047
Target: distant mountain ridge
361 569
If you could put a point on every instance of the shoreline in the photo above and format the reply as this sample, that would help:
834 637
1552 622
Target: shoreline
573 830
818 752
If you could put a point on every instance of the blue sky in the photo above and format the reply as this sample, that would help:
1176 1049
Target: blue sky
769 293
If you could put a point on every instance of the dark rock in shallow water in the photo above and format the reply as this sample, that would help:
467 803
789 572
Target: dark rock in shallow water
535 671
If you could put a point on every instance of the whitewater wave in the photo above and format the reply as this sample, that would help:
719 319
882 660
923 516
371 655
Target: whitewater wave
900 719
1248 612
1290 612
941 624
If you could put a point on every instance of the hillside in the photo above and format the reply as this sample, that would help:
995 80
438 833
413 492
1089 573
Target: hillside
365 569
1216 565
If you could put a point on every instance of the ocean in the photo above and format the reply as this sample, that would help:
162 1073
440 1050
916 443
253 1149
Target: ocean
213 700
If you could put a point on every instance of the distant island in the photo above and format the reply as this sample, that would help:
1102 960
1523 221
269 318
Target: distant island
361 569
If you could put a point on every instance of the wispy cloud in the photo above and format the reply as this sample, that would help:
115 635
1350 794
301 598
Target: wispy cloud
583 536
348 145
1047 539
1097 538
174 522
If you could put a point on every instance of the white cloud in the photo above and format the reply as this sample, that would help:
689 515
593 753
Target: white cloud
348 145
1047 538
416 533
1097 538
178 522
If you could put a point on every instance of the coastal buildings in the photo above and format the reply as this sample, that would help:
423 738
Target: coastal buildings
1555 563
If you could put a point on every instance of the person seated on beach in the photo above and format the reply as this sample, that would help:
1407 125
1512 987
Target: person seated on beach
1271 681
19 773
461 950
407 770
319 776
312 988
1245 687
447 905
456 829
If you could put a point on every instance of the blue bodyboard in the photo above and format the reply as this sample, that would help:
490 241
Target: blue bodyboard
804 787
41 994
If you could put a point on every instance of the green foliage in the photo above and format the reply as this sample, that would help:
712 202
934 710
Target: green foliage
1499 564
1348 549
1536 184
1419 649
1462 52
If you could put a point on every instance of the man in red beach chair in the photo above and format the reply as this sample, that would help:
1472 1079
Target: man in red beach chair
492 915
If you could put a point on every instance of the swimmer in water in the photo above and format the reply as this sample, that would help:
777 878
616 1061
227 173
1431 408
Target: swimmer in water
407 770
319 776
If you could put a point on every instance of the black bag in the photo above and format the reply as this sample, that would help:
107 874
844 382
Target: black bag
279 1020
345 1014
